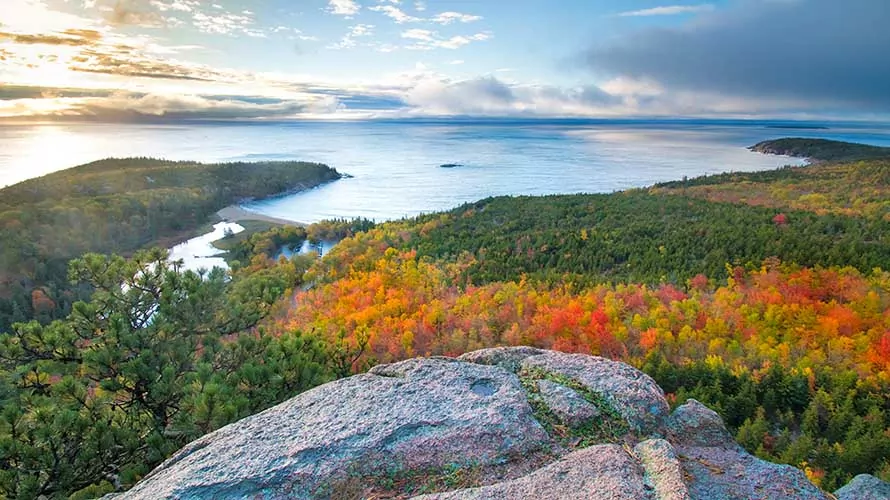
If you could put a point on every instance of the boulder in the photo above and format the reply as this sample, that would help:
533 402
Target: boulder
716 467
630 392
864 487
731 473
467 428
694 424
415 415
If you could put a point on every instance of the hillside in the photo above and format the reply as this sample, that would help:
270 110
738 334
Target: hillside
117 205
858 187
854 188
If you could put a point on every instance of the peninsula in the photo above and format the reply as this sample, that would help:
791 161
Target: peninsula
118 206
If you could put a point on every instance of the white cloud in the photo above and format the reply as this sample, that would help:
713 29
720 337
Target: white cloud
343 7
632 87
451 17
668 10
395 14
420 6
429 40
361 30
385 47
456 62
36 16
418 34
356 31
226 23
178 5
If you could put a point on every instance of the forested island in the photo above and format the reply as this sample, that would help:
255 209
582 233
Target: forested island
763 295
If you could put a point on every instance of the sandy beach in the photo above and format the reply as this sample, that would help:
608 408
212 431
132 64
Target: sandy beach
235 213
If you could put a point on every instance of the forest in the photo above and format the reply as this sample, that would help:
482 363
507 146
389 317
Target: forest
771 310
116 206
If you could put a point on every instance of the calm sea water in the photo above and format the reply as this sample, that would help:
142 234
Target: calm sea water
396 165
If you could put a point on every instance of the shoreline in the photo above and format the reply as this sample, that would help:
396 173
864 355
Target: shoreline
237 213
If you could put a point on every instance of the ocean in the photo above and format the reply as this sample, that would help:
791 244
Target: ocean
396 166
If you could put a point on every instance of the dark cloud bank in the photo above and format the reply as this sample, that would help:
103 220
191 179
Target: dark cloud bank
826 53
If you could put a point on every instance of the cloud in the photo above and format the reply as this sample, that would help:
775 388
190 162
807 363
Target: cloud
124 61
31 16
176 5
135 107
343 7
429 40
396 14
799 55
444 18
451 17
669 10
489 96
349 39
435 95
478 96
226 23
134 13
15 92
205 17
69 37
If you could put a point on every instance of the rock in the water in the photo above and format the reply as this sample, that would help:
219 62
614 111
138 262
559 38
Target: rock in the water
864 487
694 424
632 393
571 409
415 415
599 472
664 474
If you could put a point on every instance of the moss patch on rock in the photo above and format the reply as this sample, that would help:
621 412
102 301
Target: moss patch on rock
610 427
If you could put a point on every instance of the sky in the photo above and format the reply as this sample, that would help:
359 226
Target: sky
148 60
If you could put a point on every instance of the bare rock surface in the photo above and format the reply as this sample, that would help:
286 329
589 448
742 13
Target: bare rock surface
664 474
420 420
569 406
632 393
508 358
720 473
864 487
417 414
598 472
